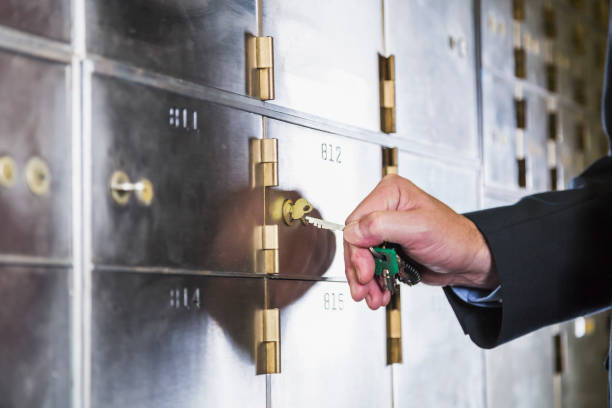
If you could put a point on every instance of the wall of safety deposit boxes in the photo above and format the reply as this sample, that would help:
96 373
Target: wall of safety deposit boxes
146 151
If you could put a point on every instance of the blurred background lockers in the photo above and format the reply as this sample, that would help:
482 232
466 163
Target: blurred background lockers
146 148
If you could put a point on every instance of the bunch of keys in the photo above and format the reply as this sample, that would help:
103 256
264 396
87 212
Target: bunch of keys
390 262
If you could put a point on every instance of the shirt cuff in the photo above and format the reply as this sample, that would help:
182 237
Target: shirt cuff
479 297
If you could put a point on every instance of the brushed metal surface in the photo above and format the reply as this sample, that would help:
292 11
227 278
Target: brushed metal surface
497 36
499 132
533 39
436 83
520 373
47 18
454 186
536 137
442 367
573 65
332 349
204 212
34 121
35 337
197 40
334 183
167 341
571 160
584 380
325 56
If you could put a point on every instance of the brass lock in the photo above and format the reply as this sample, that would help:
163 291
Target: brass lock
8 171
293 211
121 189
38 176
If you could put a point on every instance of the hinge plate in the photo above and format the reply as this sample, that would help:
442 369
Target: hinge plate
268 341
260 67
264 162
386 71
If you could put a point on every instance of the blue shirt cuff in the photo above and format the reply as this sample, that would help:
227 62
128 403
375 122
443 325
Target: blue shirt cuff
479 297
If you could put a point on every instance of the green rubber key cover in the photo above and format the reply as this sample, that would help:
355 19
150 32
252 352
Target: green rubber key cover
388 261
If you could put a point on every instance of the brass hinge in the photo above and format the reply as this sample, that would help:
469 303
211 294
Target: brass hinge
260 65
394 330
389 158
559 355
266 249
551 77
522 172
386 72
520 63
264 162
553 126
520 110
550 22
518 10
268 341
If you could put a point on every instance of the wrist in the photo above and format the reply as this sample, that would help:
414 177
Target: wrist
482 270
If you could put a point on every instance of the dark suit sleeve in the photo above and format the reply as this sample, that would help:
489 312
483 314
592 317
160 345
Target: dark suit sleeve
553 254
552 251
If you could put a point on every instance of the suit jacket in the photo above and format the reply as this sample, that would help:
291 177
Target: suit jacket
552 251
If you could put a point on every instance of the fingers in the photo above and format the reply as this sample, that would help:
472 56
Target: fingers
365 287
358 291
402 227
387 195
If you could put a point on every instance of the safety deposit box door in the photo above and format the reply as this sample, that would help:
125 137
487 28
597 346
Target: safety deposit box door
536 141
325 56
441 366
196 40
332 173
435 350
35 330
435 73
497 36
35 158
527 364
499 132
584 347
332 349
174 340
47 18
171 180
455 186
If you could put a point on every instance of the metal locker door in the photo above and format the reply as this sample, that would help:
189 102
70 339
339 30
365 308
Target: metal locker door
326 60
35 356
497 29
441 366
535 141
174 340
499 132
196 40
334 174
520 373
203 209
35 160
584 380
333 349
433 44
47 18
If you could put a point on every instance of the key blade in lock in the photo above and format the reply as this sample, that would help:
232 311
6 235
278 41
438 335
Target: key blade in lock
319 223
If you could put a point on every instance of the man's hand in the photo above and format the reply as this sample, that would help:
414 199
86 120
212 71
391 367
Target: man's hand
447 244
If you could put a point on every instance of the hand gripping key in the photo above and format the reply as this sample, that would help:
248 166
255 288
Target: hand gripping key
391 264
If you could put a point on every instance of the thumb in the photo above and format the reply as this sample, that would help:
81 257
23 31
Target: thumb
383 226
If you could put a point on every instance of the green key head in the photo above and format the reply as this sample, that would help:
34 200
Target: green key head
388 261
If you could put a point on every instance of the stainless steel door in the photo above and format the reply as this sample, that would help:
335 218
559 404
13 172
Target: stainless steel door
163 340
196 155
